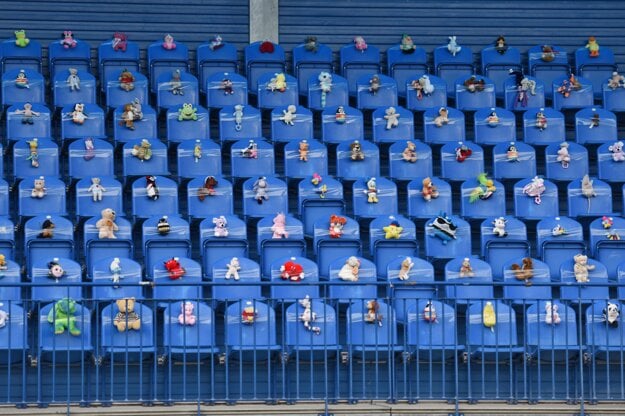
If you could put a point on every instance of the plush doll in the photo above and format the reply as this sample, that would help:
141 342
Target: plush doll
525 271
78 115
175 83
360 44
429 313
28 114
310 44
308 316
116 271
137 109
452 46
616 81
106 224
499 227
541 121
266 46
581 268
261 190
128 117
187 112
47 228
465 268
325 86
33 152
558 230
174 268
96 189
407 45
443 228
168 42
227 86
393 230
548 53
126 80
21 80
142 151
512 153
374 84
186 316
39 188
552 317
493 119
569 85
373 316
371 191
63 317
410 152
277 83
392 118
618 154
208 188
221 226
422 87
356 152
151 189
55 270
67 40
428 189
216 43
337 223
489 318
126 318
251 151
120 42
474 84
442 118
238 117
316 179
279 226
595 120
563 157
162 226
4 316
340 116
350 269
462 153
289 115
404 270
611 315
588 191
593 47
292 271
303 150
197 151
607 222
3 262
233 269
484 190
524 86
248 315
20 38
500 45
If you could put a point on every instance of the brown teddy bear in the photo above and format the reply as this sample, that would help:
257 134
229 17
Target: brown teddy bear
126 318
142 151
106 225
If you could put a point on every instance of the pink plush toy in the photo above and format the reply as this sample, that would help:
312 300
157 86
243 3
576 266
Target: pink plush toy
279 226
360 44
68 40
120 41
168 42
186 316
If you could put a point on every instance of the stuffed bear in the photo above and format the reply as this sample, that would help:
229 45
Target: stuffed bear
581 268
186 316
428 189
126 318
618 155
39 188
106 225
73 80
62 316
126 80
142 151
466 270
410 152
233 269
128 118
356 151
303 150
221 226
392 118
96 189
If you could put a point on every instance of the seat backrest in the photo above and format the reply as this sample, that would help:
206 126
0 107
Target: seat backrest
206 200
337 93
513 160
334 130
375 90
374 196
460 272
183 288
425 332
257 62
494 125
125 130
261 333
409 159
346 269
543 126
535 273
27 123
187 123
111 337
143 192
461 161
239 123
180 329
48 288
77 124
302 159
89 156
324 318
420 99
263 196
107 270
22 85
520 99
531 201
425 202
61 343
595 125
444 241
69 88
353 165
238 278
288 125
252 158
198 158
175 88
594 201
35 197
37 156
482 199
557 229
566 161
368 328
599 332
18 57
224 89
144 157
502 334
436 130
565 96
392 125
287 272
474 92
545 335
273 91
210 60
355 63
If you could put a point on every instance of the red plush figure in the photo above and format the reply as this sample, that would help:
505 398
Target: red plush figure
336 226
173 267
462 153
120 41
266 47
292 271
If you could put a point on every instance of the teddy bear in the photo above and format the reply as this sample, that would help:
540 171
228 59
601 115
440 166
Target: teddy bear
20 38
393 230
47 228
4 316
524 271
174 268
552 317
277 83
126 80
581 268
350 269
373 316
208 188
308 316
279 226
96 189
186 316
142 151
392 118
120 42
442 118
233 269
356 151
168 42
303 150
410 152
39 188
428 190
106 224
289 115
260 189
404 271
563 155
618 155
221 226
466 270
547 53
73 80
374 84
128 117
292 271
126 318
63 317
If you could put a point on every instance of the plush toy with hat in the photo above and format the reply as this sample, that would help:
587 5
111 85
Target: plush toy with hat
393 230
67 40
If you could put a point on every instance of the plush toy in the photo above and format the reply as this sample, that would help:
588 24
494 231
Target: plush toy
33 152
607 222
524 86
462 153
55 270
547 53
374 84
588 191
4 316
78 115
489 318
611 315
238 117
429 313
316 179
73 80
63 317
595 120
422 86
186 316
616 81
558 230
444 228
452 46
20 38
106 224
277 83
310 44
541 121
216 43
67 40
500 45
227 86
569 85
168 42
340 116
21 81
174 268
47 228
39 188
248 315
151 189
251 151
207 188
289 115
410 152
308 316
404 270
116 270
126 318
499 227
428 190
128 117
175 83
350 269
3 262
266 47
407 45
137 109
126 80
162 226
525 271
325 86
474 84
356 152
393 230
371 191
465 268
143 150
360 44
552 317
96 189
187 112
512 153
233 269
593 47
292 271
261 190
484 190
373 316
279 226
337 223
581 268
563 156
442 118
120 41
221 226
303 150
392 118
618 155
28 114
197 151
493 119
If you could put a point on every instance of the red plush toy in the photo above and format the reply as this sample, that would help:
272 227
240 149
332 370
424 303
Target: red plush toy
173 267
292 271
266 47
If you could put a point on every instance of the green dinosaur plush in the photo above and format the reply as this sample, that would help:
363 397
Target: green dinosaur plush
187 112
62 316
20 38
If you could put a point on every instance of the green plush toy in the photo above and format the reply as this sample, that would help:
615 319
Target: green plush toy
62 316
187 112
20 38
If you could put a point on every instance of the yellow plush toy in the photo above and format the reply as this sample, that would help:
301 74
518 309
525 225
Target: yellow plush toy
126 318
489 318
393 230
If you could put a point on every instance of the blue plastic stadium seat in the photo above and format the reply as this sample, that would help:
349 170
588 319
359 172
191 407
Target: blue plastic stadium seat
180 130
172 92
130 345
251 158
166 290
11 275
605 243
276 239
145 206
533 131
64 93
16 57
474 92
232 289
239 123
258 63
328 249
160 246
225 89
407 291
494 129
118 93
48 236
305 344
595 125
100 248
316 159
598 204
566 161
436 339
4 198
547 65
351 170
620 272
403 66
450 66
457 164
317 201
531 203
577 98
595 68
7 237
461 285
254 341
90 156
63 348
133 166
610 157
342 123
189 339
443 241
269 97
614 98
93 126
385 250
106 270
215 247
111 61
371 336
519 99
19 126
472 204
374 196
35 157
48 289
496 65
503 238
450 131
319 99
141 129
308 63
164 61
198 158
421 208
267 200
355 63
202 203
558 239
523 292
372 93
14 346
210 60
286 129
418 100
409 159
498 342
605 341
384 128
288 285
576 292
513 160
53 201
15 90
551 341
